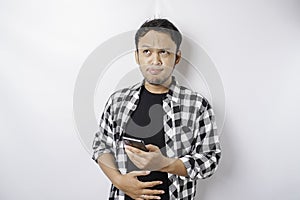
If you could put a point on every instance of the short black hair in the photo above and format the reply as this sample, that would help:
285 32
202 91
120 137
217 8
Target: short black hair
160 25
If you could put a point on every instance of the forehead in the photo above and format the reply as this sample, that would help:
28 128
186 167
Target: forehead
158 40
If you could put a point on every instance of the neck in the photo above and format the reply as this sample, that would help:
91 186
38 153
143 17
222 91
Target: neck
158 89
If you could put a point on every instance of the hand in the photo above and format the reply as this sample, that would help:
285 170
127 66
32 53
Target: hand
152 160
136 189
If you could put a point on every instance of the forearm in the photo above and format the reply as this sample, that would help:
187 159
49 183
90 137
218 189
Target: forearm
201 165
108 165
175 166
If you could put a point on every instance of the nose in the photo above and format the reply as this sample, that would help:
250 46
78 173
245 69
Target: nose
156 59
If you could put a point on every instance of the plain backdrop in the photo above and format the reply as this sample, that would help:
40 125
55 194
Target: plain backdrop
254 44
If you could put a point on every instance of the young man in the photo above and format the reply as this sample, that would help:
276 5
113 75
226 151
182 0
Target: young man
177 125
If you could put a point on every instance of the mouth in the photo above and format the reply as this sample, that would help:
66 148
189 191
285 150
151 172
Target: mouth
154 71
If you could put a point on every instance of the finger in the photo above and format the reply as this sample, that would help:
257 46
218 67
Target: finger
152 147
136 159
151 184
132 149
128 151
144 196
133 155
130 155
139 173
150 192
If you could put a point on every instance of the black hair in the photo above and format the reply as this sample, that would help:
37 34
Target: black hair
160 25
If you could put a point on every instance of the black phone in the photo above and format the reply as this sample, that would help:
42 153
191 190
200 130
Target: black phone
135 143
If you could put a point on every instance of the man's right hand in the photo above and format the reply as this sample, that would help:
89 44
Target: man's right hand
136 189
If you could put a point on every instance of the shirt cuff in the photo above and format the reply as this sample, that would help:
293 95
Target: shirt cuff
191 174
99 153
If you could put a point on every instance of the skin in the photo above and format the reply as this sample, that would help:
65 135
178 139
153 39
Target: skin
128 183
157 58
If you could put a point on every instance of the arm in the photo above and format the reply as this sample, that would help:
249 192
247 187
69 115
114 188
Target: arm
109 168
104 148
203 160
128 183
176 166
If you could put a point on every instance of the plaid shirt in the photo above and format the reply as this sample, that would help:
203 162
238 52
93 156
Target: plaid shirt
190 135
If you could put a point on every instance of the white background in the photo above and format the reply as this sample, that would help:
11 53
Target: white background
254 44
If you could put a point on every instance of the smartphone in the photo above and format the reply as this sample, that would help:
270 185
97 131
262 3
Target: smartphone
135 143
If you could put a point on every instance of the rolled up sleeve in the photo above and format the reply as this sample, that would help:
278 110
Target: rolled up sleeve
104 139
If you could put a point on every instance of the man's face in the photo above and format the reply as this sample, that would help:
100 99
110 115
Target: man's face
156 57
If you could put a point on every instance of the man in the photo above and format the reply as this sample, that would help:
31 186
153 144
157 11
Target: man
183 144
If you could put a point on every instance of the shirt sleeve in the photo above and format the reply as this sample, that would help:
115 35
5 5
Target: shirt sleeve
104 139
204 157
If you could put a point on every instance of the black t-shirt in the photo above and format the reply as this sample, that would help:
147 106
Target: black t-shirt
146 123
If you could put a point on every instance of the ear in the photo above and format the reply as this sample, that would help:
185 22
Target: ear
137 57
178 57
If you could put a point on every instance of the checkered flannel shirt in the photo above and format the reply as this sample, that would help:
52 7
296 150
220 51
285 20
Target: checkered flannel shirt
190 135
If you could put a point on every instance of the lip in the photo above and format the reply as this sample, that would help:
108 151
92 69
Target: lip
154 71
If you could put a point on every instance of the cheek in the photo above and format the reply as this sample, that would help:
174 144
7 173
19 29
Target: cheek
169 61
142 57
142 68
168 66
168 69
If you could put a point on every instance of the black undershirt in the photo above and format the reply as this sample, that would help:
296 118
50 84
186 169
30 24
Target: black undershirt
148 126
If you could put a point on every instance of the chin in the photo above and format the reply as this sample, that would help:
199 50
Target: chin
156 81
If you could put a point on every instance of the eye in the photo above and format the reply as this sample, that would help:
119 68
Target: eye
164 52
146 52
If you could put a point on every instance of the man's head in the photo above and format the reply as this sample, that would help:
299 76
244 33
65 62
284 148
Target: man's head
157 50
160 25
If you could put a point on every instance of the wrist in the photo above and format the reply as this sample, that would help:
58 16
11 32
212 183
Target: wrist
175 166
117 180
168 166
